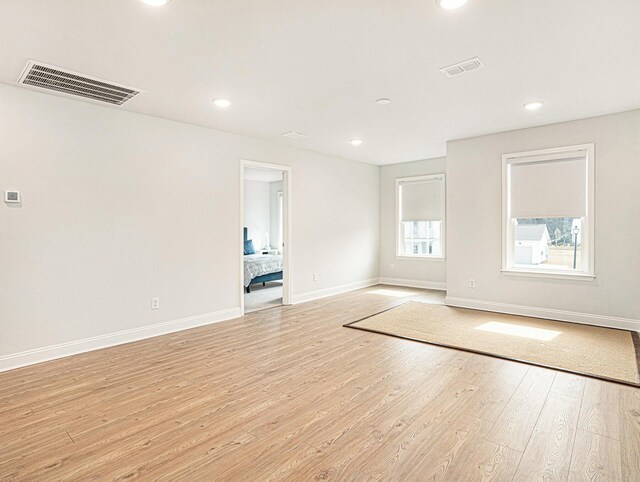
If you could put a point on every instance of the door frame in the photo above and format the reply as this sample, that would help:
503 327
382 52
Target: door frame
286 249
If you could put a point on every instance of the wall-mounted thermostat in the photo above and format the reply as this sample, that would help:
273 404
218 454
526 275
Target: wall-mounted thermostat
11 197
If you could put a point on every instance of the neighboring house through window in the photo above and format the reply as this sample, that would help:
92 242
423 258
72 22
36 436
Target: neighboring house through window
421 216
548 212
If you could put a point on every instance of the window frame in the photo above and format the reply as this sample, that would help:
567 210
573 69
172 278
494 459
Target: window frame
399 239
588 222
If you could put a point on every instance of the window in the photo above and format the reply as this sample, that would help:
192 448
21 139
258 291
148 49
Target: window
420 227
548 227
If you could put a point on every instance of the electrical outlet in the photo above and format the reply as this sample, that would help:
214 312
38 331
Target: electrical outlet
392 266
155 303
315 276
472 283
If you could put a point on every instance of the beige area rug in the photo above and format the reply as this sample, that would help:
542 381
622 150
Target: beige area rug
587 350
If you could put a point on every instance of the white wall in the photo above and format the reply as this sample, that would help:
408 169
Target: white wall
257 211
119 207
474 193
428 273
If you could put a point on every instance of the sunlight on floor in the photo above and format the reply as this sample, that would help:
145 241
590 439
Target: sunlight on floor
519 330
392 293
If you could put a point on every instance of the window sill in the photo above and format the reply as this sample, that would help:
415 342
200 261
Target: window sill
421 257
548 274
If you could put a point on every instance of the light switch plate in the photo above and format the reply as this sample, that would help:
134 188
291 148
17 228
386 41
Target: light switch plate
11 197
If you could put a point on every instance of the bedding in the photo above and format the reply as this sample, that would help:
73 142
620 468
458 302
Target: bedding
260 264
248 247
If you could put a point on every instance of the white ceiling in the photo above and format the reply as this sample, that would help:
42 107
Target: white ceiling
317 66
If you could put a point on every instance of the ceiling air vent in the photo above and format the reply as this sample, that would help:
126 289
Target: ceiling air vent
63 81
462 67
294 135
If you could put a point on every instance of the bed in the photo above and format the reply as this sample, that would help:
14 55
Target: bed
260 268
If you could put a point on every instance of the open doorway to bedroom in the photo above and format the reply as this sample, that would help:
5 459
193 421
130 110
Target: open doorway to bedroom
265 233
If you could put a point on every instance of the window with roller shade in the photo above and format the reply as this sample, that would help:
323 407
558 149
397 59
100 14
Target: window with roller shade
421 216
548 212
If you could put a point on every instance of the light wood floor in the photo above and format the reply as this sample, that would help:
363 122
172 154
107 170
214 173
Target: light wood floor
289 394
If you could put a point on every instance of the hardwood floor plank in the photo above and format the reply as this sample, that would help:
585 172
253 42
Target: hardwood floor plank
411 435
491 463
630 433
404 447
548 453
595 457
449 458
343 460
569 385
516 422
494 393
601 408
181 455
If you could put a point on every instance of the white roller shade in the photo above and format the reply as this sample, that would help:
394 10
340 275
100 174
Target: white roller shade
549 188
422 200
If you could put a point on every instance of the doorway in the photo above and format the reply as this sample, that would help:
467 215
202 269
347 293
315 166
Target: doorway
265 235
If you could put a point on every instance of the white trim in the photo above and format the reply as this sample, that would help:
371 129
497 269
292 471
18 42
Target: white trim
427 257
546 154
414 283
422 177
336 290
548 274
280 206
46 353
443 228
547 313
588 222
287 206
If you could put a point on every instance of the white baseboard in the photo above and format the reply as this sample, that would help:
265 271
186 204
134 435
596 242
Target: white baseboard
336 290
548 313
414 283
38 355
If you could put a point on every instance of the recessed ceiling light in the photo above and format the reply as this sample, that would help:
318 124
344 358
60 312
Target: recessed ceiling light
450 4
222 103
156 3
355 142
533 105
383 101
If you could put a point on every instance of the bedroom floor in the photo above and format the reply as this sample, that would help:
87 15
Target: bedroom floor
262 297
